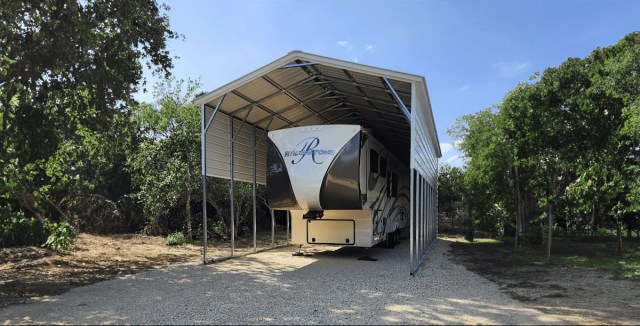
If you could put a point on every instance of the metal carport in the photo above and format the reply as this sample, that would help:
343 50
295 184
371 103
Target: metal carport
301 89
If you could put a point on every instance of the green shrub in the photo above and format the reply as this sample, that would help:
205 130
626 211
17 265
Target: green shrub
175 239
18 230
60 237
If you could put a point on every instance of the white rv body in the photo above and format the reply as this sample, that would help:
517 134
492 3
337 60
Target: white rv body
340 184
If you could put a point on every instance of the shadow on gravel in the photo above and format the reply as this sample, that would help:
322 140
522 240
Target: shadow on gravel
331 287
582 295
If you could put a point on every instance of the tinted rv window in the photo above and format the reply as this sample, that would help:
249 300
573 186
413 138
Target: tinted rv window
373 161
383 167
394 185
389 185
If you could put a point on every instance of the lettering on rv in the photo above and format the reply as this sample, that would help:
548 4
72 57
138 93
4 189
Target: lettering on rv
307 147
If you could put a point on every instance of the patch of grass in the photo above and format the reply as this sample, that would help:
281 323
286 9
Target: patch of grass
483 241
626 266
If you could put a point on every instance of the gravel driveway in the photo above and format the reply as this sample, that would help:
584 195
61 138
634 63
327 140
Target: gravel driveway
272 287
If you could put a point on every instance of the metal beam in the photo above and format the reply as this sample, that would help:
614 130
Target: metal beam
264 132
302 64
246 98
203 157
331 79
398 100
231 192
244 121
206 128
339 117
293 106
292 96
255 242
274 94
376 110
367 98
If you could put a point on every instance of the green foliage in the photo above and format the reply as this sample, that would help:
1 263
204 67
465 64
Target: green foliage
218 196
60 237
175 239
166 165
58 115
451 211
566 143
18 230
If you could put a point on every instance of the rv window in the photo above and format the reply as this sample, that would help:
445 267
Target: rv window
389 185
394 185
383 167
373 161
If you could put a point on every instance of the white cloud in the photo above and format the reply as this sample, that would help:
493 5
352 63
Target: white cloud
453 158
369 48
464 88
445 148
355 59
343 43
510 69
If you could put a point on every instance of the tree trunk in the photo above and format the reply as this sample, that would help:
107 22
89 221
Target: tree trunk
188 217
620 249
470 231
519 210
549 233
188 207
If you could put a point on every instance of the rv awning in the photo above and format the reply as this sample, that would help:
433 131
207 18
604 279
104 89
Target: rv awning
302 89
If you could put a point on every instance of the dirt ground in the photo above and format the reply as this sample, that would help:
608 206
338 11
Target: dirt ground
584 295
30 272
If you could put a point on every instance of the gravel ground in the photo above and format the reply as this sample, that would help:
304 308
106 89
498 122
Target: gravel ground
331 287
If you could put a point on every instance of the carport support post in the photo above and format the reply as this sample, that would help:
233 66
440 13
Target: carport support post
231 192
412 213
273 228
203 156
288 225
255 145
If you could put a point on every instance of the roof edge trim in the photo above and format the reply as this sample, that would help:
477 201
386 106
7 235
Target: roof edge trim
294 55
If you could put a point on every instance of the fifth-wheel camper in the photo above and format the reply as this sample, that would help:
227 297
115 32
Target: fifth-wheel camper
340 184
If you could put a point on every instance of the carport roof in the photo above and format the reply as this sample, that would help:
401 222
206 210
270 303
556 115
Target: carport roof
301 89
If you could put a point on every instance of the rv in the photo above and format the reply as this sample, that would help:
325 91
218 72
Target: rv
340 184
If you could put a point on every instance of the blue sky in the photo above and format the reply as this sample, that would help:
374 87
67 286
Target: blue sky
472 52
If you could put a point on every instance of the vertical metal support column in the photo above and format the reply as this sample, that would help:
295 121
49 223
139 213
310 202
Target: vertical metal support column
420 217
273 228
424 218
203 163
288 226
231 192
425 234
429 218
255 148
412 213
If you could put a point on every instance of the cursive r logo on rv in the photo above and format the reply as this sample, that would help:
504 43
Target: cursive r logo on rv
308 147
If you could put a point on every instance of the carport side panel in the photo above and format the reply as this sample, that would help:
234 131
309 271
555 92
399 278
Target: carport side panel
363 226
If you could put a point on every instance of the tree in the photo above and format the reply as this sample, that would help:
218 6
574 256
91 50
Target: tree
68 70
486 184
568 140
450 194
167 162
